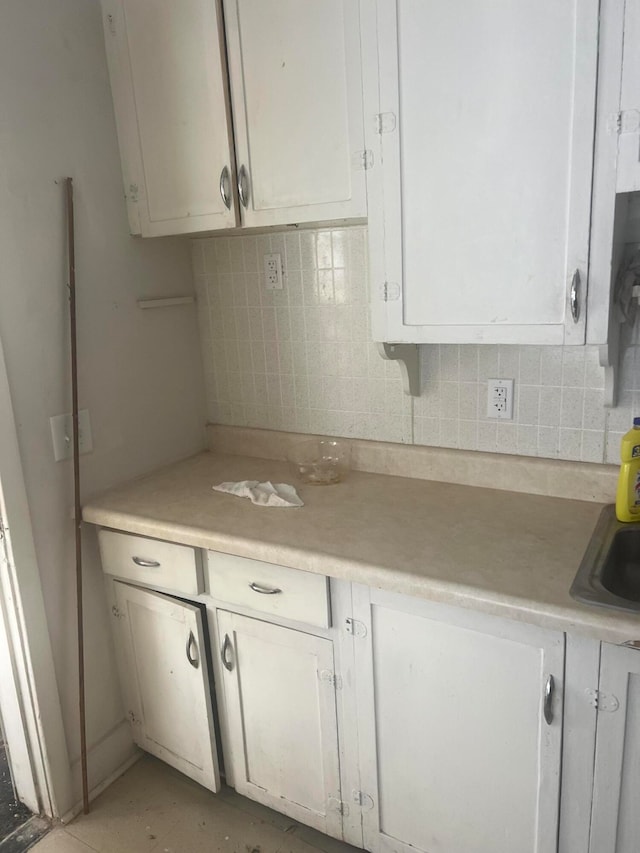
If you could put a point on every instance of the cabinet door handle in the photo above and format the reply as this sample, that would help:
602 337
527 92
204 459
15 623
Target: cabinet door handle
574 296
193 659
632 644
264 590
243 186
146 564
548 700
225 188
225 648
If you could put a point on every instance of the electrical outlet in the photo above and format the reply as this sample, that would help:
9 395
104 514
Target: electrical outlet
62 435
500 399
273 271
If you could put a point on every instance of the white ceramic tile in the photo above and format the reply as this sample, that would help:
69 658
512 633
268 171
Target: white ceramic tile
529 404
293 256
592 446
572 408
222 255
594 411
449 400
527 440
573 367
449 362
323 250
428 430
612 449
487 361
197 257
550 399
508 362
551 365
449 432
507 437
529 366
548 441
468 435
308 250
570 444
488 436
468 404
593 372
469 363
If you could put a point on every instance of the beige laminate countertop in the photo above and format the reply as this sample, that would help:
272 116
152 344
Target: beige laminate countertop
510 554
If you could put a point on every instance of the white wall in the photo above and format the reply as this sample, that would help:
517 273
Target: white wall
140 371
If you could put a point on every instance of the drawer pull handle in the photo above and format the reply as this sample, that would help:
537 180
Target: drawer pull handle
548 700
225 648
193 660
264 590
146 564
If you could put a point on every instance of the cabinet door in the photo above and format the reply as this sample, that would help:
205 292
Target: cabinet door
615 819
163 666
281 716
297 108
479 196
168 80
455 751
629 135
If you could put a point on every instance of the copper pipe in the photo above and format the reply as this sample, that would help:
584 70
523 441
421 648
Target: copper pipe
76 489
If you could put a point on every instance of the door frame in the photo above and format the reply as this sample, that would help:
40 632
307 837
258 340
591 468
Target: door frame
29 698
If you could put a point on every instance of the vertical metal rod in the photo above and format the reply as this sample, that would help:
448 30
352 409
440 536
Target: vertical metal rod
76 489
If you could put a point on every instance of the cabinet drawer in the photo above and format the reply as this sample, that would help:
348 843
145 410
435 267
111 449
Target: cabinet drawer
269 588
150 561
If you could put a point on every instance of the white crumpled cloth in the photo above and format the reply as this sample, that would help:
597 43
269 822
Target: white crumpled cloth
262 494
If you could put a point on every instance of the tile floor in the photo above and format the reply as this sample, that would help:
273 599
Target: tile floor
154 808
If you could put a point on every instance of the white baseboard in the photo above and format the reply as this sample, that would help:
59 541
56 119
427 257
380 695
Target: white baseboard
107 759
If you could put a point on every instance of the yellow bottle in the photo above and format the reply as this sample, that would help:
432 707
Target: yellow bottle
628 494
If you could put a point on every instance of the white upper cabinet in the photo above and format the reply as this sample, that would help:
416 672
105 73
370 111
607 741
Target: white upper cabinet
295 77
481 124
169 88
297 109
629 116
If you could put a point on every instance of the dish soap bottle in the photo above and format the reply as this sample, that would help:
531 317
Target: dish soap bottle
628 494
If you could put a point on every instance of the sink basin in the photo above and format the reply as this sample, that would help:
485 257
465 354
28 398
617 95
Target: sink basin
609 574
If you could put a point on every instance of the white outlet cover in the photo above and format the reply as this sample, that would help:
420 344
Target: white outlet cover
500 399
62 434
273 271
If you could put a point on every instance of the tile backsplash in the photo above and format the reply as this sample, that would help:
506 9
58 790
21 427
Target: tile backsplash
301 359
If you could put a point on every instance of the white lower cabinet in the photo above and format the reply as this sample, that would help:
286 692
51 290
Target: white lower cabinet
279 693
161 647
460 719
397 724
615 819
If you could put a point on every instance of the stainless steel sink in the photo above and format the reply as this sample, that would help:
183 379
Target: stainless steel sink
609 574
